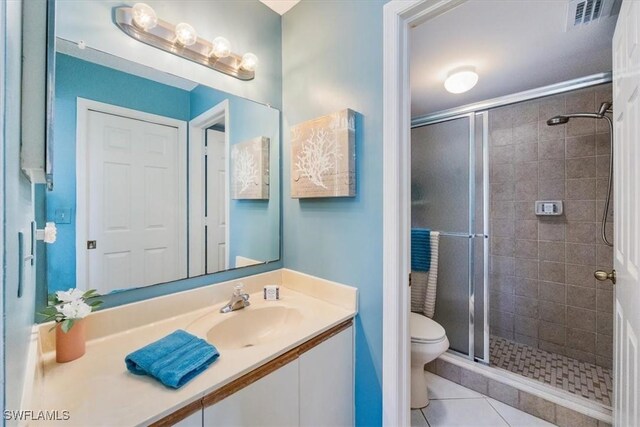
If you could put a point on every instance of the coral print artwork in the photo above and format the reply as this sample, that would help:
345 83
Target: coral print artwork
323 159
250 169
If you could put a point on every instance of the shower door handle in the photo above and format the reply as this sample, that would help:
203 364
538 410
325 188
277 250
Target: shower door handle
602 275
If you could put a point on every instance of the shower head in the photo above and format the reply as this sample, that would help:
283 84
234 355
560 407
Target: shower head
604 108
557 120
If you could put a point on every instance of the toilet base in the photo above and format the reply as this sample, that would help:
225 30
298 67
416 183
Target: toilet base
419 392
421 354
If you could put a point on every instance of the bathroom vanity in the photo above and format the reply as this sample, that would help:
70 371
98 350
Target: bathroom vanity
281 362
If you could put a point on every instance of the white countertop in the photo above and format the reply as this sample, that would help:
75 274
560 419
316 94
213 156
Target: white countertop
97 389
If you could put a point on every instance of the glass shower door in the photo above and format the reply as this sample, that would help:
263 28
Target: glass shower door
446 168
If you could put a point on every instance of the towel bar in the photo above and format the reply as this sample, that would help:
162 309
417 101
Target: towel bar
466 235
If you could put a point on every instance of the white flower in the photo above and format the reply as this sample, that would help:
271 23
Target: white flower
77 309
70 295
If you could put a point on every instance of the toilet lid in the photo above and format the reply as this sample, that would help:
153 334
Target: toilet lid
424 329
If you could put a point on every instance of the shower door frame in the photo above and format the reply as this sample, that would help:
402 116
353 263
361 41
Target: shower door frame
474 117
528 95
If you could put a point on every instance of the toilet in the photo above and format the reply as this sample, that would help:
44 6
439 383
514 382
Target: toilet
428 341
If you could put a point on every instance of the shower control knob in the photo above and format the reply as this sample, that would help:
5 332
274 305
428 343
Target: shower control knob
602 275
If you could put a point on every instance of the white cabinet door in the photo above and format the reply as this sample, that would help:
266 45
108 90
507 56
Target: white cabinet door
326 383
270 401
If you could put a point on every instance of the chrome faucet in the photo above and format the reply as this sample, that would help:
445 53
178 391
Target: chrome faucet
239 300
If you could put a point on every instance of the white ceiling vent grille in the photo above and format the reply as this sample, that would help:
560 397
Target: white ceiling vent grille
583 12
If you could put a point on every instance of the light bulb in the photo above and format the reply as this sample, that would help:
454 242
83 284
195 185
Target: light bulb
186 34
144 16
249 62
461 80
221 48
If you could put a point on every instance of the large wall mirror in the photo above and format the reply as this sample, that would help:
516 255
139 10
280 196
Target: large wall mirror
157 178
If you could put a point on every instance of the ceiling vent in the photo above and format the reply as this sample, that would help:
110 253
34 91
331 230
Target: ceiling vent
584 12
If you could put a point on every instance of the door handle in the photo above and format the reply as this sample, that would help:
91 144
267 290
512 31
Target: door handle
602 275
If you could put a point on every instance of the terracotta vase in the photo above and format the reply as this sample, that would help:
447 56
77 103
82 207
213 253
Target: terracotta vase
70 345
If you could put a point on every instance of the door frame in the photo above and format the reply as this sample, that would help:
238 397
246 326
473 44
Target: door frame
197 136
84 106
5 322
398 18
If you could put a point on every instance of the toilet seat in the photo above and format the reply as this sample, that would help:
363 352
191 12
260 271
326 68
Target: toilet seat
425 330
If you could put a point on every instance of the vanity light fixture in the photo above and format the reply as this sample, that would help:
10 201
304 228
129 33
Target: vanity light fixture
461 80
141 23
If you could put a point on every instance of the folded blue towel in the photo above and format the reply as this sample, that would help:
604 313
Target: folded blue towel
173 360
420 249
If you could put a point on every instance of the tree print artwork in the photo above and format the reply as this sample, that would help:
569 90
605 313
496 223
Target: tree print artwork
250 169
323 157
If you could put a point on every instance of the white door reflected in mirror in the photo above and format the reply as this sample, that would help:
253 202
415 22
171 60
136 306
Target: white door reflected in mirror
134 200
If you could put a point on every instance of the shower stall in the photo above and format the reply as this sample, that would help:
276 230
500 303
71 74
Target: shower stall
516 289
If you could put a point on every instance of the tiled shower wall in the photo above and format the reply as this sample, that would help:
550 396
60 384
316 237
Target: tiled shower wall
543 292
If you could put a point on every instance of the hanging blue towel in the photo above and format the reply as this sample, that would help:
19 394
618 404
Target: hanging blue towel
420 249
173 360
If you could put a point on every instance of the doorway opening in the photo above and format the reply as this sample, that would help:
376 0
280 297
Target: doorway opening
515 295
209 204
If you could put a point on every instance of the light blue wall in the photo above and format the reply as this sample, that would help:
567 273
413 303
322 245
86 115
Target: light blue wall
80 79
255 224
332 59
17 200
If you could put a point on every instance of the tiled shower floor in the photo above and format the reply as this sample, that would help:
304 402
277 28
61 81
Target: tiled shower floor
583 379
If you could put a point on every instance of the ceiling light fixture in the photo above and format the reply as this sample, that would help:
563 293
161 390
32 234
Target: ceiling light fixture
461 80
141 23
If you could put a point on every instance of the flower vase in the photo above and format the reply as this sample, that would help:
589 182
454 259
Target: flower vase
70 345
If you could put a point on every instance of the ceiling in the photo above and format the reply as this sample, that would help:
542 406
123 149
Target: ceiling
515 45
280 6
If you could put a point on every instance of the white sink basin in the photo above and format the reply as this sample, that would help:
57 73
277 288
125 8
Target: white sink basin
251 327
